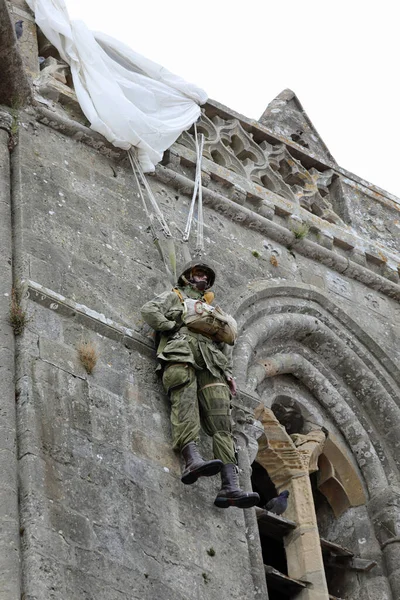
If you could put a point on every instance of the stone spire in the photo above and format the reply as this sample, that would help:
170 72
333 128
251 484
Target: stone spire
286 117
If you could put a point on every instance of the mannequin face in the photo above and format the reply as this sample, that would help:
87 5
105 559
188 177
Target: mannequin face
199 279
199 275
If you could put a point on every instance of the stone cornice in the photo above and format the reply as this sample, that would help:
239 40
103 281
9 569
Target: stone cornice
337 247
31 290
248 218
267 203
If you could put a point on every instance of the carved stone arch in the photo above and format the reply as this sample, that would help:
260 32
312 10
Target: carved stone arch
335 399
318 341
338 477
296 330
338 480
271 296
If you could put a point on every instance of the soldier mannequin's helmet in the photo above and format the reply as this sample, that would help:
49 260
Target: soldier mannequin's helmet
188 268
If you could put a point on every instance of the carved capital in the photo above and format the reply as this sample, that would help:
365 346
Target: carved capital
309 447
276 451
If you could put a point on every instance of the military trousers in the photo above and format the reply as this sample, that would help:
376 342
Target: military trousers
198 398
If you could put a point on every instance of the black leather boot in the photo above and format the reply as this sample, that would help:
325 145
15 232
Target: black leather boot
230 494
196 466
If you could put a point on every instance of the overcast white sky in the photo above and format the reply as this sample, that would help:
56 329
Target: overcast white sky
341 58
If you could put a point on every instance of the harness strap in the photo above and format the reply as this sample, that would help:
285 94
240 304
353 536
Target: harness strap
197 190
211 385
181 364
218 412
207 298
179 294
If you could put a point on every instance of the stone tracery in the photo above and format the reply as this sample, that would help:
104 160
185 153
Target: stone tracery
272 166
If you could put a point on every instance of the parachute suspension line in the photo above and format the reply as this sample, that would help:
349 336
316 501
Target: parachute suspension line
200 236
137 170
166 249
149 215
197 190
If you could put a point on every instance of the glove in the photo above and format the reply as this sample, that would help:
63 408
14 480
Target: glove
168 326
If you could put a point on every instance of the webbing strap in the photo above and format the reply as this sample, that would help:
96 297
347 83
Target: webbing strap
212 385
166 249
179 294
181 364
218 412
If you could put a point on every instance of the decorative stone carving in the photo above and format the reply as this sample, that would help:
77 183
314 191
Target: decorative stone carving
272 166
309 447
276 451
54 85
56 68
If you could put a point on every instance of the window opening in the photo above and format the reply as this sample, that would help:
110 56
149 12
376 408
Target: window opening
272 529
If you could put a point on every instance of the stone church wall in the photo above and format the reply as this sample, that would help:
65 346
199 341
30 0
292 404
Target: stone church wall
307 260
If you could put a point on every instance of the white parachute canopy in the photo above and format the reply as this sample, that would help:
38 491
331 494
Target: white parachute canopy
129 99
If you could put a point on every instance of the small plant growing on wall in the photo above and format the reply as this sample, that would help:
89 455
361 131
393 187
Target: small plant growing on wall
273 260
300 231
12 142
18 318
88 355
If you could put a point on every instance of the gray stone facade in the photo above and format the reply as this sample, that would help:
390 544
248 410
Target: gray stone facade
308 262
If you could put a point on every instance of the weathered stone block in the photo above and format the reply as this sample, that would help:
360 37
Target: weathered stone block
63 357
73 526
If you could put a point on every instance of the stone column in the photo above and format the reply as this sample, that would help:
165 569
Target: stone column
246 432
9 517
288 468
385 512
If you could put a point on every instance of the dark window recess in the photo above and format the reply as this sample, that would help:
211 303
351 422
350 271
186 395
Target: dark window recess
341 566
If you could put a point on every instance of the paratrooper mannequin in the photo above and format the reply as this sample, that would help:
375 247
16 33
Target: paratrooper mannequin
195 355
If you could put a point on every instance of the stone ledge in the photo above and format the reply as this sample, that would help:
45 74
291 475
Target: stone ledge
89 318
282 235
77 131
260 200
65 307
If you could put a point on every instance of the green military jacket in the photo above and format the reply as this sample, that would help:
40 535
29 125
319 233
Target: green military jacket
177 343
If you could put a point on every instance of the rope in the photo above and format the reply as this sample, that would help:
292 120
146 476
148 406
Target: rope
149 215
196 190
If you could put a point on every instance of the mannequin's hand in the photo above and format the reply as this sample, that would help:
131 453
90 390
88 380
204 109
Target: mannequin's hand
232 385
